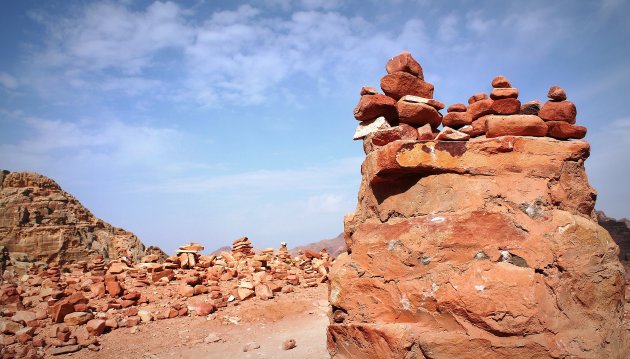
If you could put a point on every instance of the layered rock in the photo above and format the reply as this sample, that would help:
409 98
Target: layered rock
485 248
619 230
39 221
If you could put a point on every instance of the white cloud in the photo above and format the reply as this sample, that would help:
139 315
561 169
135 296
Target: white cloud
7 81
57 144
110 36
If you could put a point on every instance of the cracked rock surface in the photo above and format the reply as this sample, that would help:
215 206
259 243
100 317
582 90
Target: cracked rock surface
487 248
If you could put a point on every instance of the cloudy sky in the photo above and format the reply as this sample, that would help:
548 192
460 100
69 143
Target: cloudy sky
209 120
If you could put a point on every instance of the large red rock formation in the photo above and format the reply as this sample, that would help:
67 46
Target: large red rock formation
486 248
41 222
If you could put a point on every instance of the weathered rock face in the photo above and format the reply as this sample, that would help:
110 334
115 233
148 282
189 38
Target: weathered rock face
41 222
486 248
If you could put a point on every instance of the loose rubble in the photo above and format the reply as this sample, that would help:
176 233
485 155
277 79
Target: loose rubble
55 310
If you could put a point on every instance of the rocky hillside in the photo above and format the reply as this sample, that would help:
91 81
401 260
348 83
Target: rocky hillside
334 246
39 221
619 230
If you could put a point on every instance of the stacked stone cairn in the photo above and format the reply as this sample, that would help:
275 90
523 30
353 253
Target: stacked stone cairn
189 254
242 247
53 310
407 111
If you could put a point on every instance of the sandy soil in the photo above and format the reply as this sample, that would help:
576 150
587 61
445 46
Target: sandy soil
301 316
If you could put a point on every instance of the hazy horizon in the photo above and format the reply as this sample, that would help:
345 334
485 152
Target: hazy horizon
208 121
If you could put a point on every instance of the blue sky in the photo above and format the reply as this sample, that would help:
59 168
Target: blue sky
209 120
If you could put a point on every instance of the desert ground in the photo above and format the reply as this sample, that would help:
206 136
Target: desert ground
301 316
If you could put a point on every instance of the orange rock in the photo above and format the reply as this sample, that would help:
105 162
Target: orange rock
418 114
501 82
457 119
501 93
456 107
517 125
399 84
558 111
477 97
400 132
263 292
506 106
374 106
556 93
406 63
95 327
480 108
564 130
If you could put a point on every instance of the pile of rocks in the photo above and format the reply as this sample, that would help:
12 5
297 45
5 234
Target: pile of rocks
242 247
486 247
503 115
407 111
189 254
54 310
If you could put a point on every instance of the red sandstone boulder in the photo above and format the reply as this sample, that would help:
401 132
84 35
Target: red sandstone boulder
95 327
477 97
399 84
450 134
113 289
400 132
480 108
373 106
456 107
517 125
556 93
506 106
263 292
501 93
426 133
457 119
368 90
406 63
558 111
530 108
564 130
418 114
501 82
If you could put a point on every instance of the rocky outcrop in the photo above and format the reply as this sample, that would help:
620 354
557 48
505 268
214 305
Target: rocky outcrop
41 222
478 248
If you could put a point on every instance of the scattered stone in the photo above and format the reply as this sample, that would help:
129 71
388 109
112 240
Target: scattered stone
211 338
250 346
77 318
288 344
64 349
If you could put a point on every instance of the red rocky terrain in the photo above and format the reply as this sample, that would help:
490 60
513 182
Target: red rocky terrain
478 240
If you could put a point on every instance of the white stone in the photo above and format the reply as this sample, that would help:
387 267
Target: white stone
371 126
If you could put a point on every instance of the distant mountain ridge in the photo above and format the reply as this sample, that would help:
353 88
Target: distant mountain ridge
619 230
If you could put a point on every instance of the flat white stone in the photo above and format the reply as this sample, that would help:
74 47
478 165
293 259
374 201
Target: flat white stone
371 126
